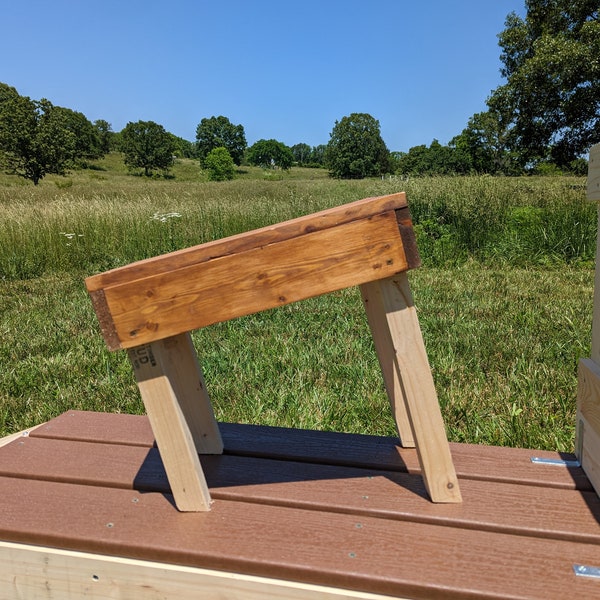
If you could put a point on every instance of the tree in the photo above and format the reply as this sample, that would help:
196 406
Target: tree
147 145
219 132
552 94
183 148
219 164
317 155
7 92
105 135
35 137
87 139
435 160
356 149
302 154
486 142
270 154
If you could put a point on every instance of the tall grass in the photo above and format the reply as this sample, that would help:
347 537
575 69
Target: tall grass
504 301
96 225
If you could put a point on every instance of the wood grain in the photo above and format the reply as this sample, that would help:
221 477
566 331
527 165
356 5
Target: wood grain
262 277
308 522
588 420
52 573
420 398
365 554
587 441
384 346
264 236
166 386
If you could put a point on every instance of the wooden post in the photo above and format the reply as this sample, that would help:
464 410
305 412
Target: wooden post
413 374
180 413
587 443
376 316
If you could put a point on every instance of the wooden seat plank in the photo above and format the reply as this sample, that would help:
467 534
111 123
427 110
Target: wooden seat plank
176 293
270 234
386 494
299 545
488 463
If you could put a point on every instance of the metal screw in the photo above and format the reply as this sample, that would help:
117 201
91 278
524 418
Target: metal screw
110 525
352 554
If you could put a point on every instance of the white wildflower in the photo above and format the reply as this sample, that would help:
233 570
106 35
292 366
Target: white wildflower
164 217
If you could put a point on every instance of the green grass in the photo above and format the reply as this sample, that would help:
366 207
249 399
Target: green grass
504 300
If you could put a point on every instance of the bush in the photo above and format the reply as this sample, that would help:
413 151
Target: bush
219 164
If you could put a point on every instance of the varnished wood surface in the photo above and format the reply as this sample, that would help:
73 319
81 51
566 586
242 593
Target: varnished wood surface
270 234
95 483
317 254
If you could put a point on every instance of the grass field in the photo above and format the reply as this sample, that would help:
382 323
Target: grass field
504 299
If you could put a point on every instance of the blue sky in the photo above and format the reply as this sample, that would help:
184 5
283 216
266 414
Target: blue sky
283 69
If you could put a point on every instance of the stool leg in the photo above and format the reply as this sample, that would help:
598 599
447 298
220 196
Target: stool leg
373 303
167 385
193 396
418 388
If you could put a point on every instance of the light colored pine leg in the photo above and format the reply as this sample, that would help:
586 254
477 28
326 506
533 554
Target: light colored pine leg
193 396
164 387
373 303
419 390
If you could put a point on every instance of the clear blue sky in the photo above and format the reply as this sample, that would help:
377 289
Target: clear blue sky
283 69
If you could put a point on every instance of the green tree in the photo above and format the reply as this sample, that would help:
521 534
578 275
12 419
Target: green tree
270 154
87 139
486 142
356 149
147 145
35 137
302 154
552 93
435 160
7 92
317 155
183 148
105 136
220 165
219 132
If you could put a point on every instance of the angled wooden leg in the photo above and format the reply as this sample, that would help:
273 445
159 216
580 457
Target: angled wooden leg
173 392
373 303
418 388
193 396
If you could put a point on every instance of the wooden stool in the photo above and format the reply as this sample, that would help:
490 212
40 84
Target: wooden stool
149 308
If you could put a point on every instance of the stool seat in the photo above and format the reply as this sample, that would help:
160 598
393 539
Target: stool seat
150 307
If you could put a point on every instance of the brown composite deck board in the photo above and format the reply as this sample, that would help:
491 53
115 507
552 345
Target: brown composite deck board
487 463
366 553
524 510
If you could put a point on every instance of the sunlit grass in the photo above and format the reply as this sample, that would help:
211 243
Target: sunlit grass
504 300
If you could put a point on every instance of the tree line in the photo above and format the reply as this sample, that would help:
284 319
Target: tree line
543 119
38 138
